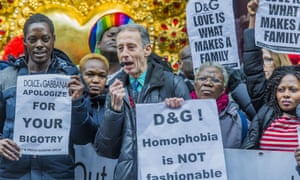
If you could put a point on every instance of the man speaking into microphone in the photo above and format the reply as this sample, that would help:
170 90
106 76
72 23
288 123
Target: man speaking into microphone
141 80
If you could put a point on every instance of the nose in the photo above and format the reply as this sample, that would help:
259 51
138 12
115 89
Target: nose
39 43
96 79
124 53
208 82
286 93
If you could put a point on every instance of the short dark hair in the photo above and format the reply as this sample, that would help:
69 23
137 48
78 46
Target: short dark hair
37 18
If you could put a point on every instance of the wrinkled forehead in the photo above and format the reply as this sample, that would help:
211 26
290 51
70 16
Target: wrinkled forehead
125 36
210 71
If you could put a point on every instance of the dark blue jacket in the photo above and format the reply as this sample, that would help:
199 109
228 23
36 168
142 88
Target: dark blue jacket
39 167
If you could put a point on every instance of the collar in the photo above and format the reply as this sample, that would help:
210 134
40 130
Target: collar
140 79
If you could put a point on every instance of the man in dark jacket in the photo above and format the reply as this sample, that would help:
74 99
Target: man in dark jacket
140 81
40 58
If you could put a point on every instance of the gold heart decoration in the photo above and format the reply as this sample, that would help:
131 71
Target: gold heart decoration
73 20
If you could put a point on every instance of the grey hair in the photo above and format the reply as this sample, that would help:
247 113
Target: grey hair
218 66
141 29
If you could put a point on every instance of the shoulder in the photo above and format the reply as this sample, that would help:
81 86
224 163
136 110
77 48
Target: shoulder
64 64
8 77
232 108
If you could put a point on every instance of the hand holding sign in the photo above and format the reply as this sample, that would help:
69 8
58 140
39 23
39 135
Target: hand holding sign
174 102
9 149
75 87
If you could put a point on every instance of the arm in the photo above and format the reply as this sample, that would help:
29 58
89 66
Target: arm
8 149
263 116
253 61
82 127
108 139
180 88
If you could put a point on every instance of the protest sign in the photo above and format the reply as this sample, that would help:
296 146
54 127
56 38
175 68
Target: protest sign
183 143
277 25
89 165
43 114
260 165
211 32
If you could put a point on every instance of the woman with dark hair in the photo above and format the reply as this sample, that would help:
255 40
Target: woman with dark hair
275 125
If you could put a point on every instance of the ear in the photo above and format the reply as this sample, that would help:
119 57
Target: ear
148 50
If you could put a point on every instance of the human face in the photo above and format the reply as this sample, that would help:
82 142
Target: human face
39 43
209 83
107 44
268 63
288 93
94 73
186 66
132 53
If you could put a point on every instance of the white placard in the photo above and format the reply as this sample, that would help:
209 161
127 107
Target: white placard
89 165
211 32
260 165
43 114
277 25
182 143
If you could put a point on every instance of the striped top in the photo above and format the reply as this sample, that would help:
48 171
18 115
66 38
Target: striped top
281 135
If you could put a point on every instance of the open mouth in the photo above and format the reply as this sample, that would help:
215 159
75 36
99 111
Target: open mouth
126 63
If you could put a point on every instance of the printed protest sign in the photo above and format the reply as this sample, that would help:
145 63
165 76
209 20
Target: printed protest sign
43 114
90 165
277 25
211 32
182 143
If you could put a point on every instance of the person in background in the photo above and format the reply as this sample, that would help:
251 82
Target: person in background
210 83
39 58
237 90
272 60
105 32
236 86
258 63
274 127
140 81
103 39
94 70
186 69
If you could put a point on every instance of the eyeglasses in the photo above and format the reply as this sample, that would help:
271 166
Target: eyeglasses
206 78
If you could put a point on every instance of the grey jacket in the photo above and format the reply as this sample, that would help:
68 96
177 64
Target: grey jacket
232 126
116 137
